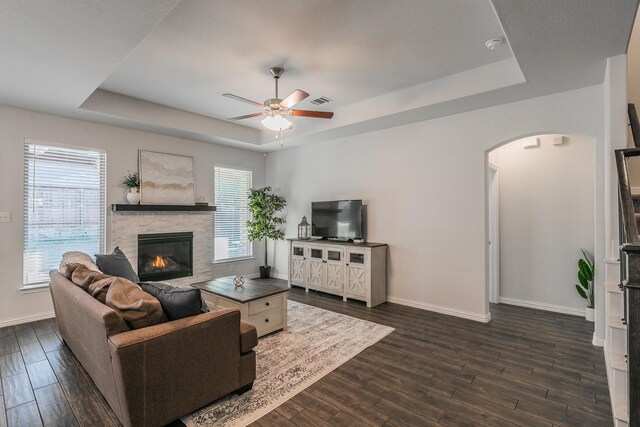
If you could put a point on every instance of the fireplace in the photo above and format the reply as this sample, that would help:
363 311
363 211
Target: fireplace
163 256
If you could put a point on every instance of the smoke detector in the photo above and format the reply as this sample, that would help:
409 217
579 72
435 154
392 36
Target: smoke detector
494 43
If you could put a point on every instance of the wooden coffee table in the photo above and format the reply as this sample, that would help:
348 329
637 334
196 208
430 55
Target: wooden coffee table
260 302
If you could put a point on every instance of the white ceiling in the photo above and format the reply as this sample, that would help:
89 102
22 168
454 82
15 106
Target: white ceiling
346 50
162 65
55 53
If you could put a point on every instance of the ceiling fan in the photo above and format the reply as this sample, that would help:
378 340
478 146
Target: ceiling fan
276 110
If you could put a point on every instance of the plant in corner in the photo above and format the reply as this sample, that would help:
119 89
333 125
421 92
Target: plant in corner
264 207
585 287
132 182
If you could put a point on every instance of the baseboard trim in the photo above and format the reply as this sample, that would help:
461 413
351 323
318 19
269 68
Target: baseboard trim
439 309
543 306
26 319
424 306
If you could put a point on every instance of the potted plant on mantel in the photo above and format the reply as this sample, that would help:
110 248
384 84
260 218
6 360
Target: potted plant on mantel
264 207
585 287
132 182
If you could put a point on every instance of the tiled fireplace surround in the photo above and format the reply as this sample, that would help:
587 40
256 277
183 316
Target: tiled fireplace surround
125 227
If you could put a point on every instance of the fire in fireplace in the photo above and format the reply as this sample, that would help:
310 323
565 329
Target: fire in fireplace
158 262
163 256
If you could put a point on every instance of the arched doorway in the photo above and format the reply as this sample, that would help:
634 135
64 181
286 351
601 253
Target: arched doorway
540 211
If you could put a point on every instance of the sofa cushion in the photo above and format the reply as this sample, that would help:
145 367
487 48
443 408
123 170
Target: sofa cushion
176 302
116 264
248 337
76 257
137 308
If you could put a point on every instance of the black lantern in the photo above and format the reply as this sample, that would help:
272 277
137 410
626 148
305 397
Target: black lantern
304 229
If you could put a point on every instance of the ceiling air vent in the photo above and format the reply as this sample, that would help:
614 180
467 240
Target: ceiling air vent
321 100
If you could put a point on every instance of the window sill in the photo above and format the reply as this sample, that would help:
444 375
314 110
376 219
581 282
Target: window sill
230 260
32 289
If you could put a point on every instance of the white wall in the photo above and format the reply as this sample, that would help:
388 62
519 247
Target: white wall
122 147
546 216
424 184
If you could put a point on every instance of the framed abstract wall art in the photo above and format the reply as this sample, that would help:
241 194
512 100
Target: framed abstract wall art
166 179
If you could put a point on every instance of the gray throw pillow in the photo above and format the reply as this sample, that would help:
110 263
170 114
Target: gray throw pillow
176 302
116 264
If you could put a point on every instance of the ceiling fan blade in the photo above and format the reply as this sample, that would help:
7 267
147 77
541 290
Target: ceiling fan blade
247 116
291 100
316 114
241 99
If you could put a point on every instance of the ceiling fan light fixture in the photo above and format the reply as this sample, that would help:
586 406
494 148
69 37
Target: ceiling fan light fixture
276 123
276 110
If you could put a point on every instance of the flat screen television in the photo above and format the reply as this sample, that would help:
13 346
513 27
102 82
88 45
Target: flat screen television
339 219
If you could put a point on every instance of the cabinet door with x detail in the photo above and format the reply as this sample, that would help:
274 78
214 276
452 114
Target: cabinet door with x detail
316 266
356 265
298 264
334 270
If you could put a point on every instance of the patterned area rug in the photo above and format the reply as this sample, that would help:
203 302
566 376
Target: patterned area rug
316 342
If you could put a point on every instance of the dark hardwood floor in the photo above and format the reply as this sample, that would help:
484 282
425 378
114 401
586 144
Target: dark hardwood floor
526 367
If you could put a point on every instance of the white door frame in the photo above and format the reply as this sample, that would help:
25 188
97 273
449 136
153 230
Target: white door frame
493 178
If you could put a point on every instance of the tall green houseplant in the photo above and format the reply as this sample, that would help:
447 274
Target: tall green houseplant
264 207
586 272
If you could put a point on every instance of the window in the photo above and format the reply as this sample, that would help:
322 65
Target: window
232 212
64 206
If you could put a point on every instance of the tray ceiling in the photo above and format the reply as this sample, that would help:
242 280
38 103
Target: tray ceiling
162 65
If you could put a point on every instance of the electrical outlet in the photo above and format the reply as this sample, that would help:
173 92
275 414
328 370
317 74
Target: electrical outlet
5 216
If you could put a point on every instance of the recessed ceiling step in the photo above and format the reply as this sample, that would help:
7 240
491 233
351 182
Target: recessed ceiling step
618 361
613 288
615 321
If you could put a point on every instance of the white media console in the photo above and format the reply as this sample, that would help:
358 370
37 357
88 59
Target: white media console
351 270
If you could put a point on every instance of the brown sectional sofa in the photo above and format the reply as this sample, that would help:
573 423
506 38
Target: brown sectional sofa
154 375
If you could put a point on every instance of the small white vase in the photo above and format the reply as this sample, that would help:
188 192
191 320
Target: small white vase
589 313
133 196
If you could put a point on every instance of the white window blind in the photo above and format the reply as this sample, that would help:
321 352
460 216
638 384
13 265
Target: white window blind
64 206
231 188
